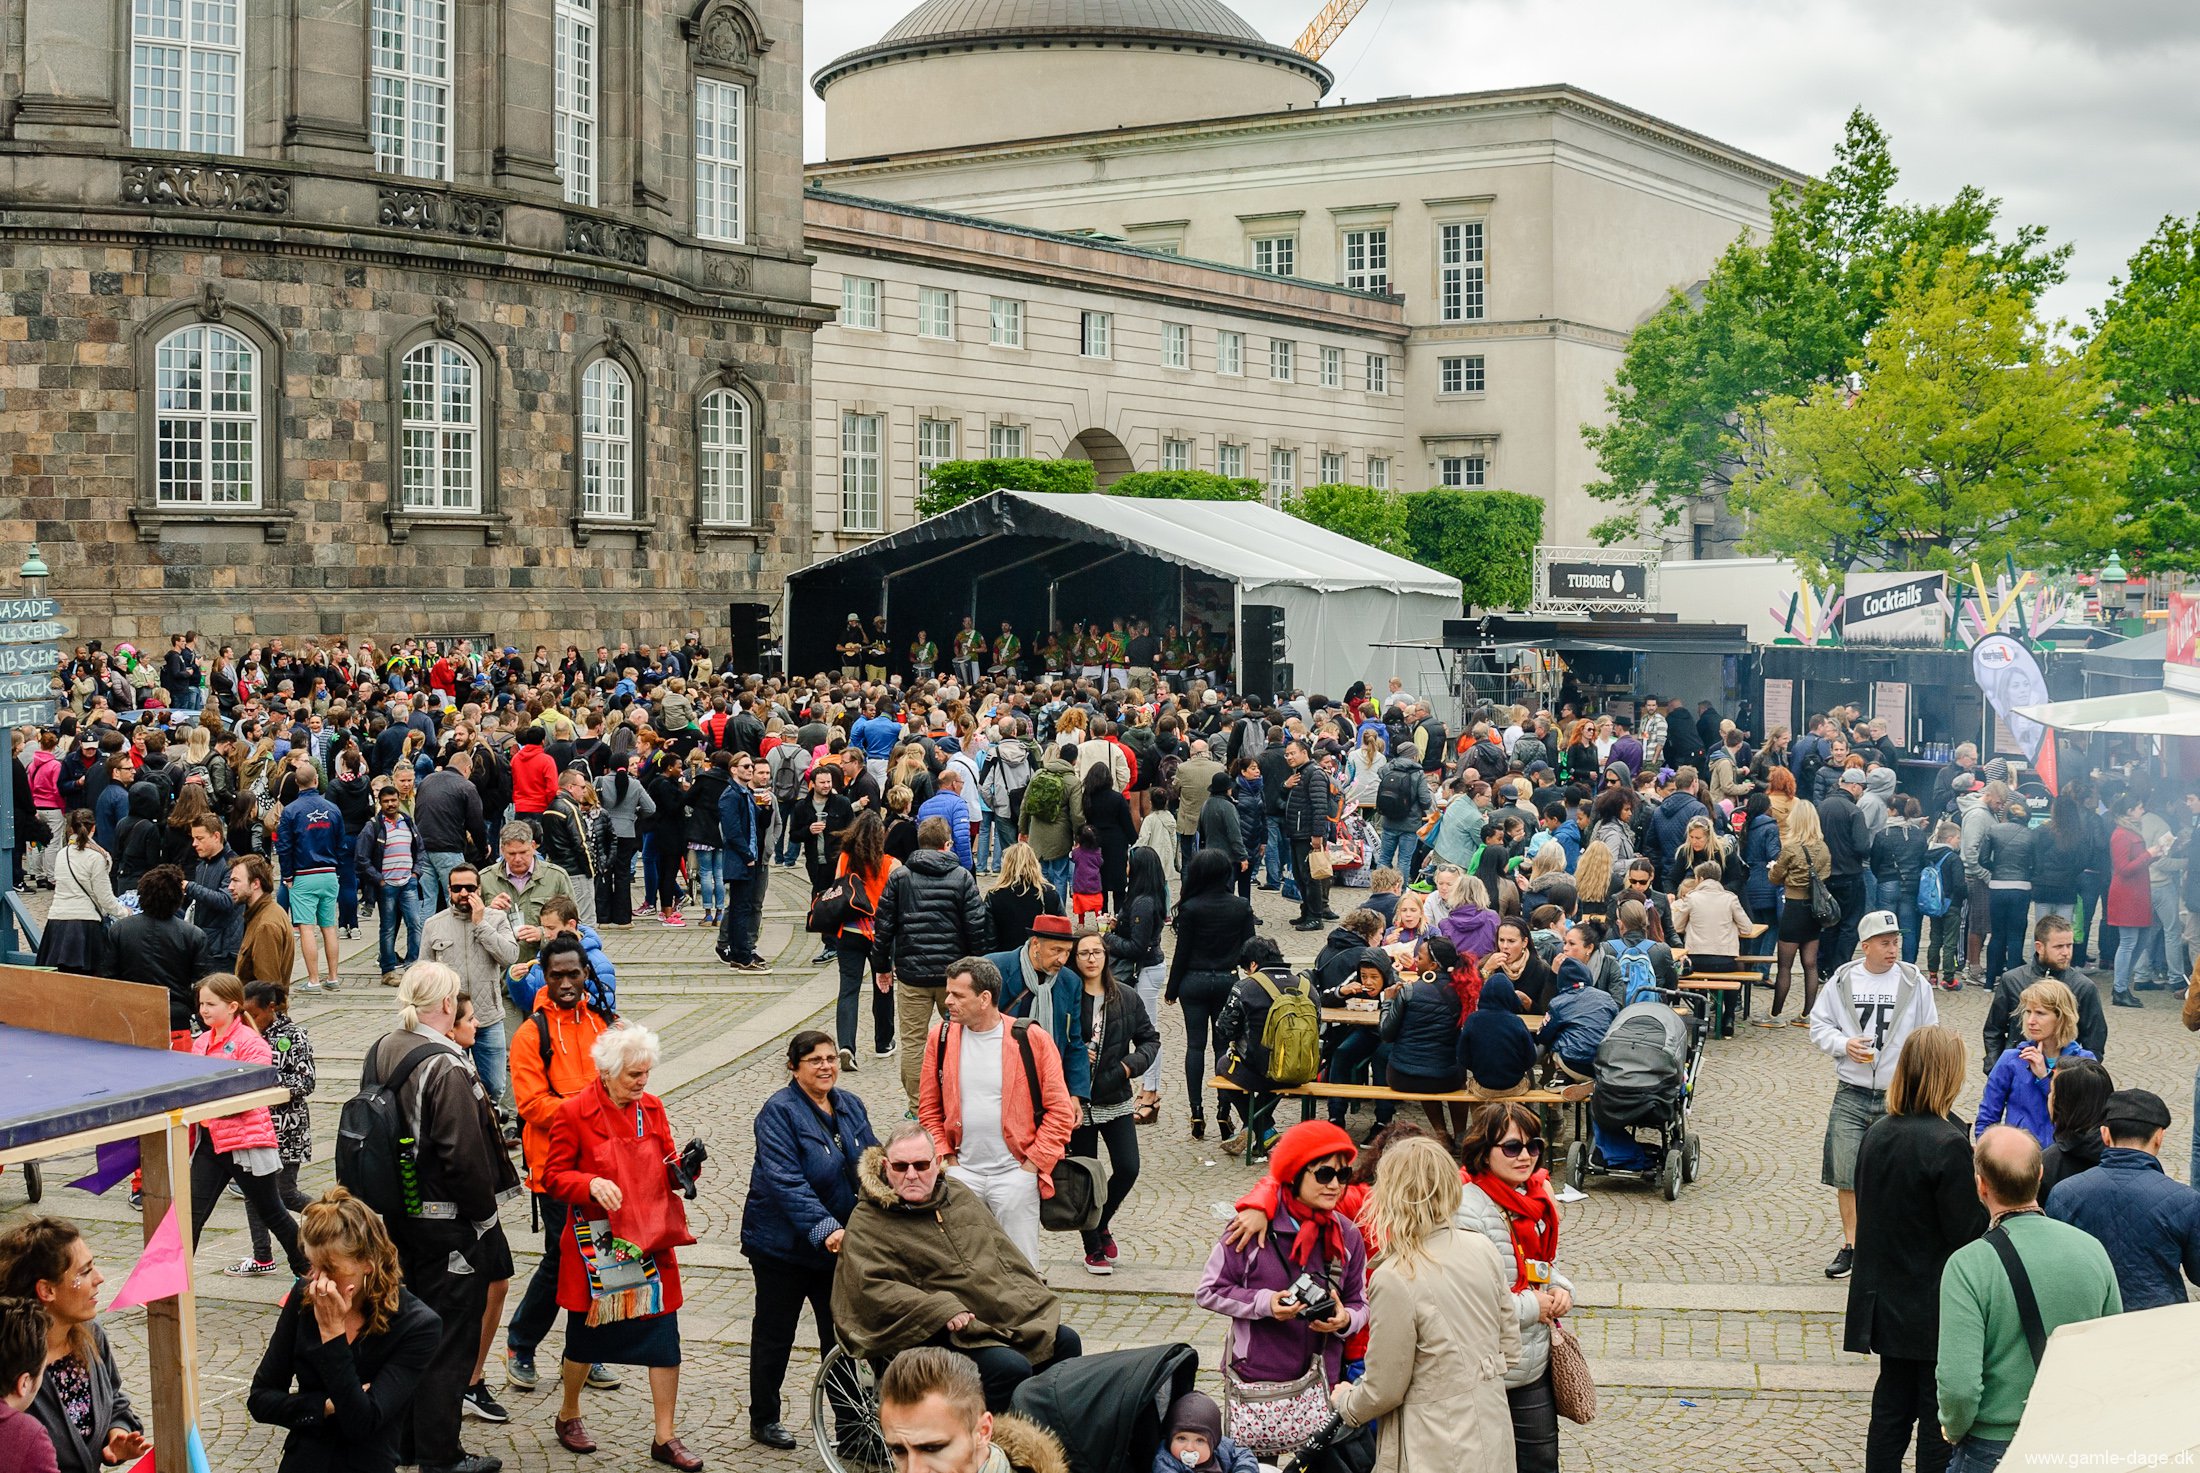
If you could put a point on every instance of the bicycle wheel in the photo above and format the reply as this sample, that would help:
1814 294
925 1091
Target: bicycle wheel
844 1416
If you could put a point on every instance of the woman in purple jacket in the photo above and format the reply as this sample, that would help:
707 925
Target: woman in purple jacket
1309 1170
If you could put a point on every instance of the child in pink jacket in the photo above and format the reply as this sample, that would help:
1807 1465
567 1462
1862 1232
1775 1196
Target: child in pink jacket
239 1148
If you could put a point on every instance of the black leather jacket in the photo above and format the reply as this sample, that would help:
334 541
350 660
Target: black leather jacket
171 954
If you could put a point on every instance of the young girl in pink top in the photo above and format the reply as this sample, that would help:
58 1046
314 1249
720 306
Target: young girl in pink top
239 1148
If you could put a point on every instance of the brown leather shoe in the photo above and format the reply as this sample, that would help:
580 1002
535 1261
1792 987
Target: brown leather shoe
674 1454
572 1436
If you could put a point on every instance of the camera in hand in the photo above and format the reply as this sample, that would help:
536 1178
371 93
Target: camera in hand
1314 1298
688 1165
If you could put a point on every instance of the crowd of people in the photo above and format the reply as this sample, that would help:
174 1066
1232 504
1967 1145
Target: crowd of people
1022 874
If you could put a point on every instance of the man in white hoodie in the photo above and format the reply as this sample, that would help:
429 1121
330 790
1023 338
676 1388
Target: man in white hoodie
1863 1014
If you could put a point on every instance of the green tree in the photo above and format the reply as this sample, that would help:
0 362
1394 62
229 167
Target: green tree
1971 433
2146 342
954 482
1778 316
1368 514
1485 539
1186 486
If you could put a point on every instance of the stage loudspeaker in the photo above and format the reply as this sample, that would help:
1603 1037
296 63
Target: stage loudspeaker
749 630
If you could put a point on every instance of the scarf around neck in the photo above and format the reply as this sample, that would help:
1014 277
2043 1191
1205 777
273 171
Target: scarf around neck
1533 1215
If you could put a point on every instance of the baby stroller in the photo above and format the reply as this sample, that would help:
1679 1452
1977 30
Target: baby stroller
1646 1077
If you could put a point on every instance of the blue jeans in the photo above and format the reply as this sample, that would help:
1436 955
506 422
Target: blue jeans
1977 1455
2131 944
402 902
710 885
347 892
1906 916
492 1058
440 864
1278 851
1397 850
1058 873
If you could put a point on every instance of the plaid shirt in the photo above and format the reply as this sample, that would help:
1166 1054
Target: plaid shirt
1653 740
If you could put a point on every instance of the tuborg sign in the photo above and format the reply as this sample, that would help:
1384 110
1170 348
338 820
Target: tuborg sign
1587 580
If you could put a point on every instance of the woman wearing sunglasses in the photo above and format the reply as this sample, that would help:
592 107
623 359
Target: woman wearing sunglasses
1507 1198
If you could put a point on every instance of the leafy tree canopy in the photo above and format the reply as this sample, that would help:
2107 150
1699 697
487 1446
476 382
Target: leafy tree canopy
1368 514
1186 486
1485 539
2146 342
954 482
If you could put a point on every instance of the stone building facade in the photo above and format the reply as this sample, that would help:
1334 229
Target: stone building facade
405 317
960 338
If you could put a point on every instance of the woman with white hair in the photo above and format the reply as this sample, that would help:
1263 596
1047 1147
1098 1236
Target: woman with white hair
612 1161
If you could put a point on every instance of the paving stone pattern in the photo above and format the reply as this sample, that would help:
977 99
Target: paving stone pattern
1709 1321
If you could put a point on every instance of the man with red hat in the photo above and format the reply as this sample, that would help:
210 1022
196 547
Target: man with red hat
1028 972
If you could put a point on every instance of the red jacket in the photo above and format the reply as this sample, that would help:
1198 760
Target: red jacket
534 780
2130 879
579 1139
1037 1145
254 1127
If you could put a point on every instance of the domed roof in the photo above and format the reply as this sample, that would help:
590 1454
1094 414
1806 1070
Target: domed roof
940 26
941 19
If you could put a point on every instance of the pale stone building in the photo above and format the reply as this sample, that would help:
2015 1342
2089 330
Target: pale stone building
406 316
959 338
1528 230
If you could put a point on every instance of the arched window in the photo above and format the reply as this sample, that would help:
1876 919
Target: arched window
439 435
722 460
607 442
207 430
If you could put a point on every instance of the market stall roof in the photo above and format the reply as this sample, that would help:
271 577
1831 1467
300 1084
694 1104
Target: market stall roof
1650 634
2138 713
1253 545
60 1094
2131 658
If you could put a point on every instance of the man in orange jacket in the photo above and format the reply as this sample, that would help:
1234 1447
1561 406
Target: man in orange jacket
551 1060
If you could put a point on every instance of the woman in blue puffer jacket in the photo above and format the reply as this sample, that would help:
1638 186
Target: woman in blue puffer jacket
2016 1090
1760 846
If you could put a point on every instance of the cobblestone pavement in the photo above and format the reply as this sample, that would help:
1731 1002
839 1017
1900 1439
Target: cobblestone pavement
1708 1321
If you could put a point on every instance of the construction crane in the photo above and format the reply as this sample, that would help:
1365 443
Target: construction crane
1327 27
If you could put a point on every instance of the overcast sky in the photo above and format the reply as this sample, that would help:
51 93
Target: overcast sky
2081 117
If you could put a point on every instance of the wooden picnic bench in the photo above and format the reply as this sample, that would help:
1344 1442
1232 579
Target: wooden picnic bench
1576 1095
1366 1018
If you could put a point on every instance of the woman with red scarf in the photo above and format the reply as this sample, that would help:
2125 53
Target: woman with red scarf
1507 1198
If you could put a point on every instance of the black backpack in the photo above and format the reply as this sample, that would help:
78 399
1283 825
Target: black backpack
375 1148
1394 791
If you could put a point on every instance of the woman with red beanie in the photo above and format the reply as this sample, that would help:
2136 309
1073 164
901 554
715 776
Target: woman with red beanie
1507 1198
1275 1340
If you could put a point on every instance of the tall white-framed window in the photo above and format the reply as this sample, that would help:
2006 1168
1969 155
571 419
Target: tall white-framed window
1176 455
187 75
1282 359
1459 268
935 447
862 508
720 141
1332 468
1367 260
1463 470
1230 461
1278 255
1378 472
935 312
1005 442
859 299
1229 352
1008 322
206 382
1332 368
574 63
1378 373
439 430
410 105
1176 345
722 460
607 441
1460 375
1096 335
1283 476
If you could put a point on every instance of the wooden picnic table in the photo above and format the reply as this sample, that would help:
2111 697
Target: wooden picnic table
1576 1095
1369 1018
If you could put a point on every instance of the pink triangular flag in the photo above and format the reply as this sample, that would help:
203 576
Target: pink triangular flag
163 1270
145 1464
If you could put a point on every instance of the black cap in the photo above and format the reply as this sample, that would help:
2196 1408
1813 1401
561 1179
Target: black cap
2128 1108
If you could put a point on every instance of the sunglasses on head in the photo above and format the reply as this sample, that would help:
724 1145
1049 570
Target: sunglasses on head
910 1166
1521 1148
1328 1176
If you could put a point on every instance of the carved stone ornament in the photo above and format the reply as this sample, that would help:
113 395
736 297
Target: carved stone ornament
587 236
208 187
449 214
213 301
731 272
723 40
446 320
614 337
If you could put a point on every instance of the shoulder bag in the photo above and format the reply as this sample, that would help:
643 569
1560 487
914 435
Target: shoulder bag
838 906
1824 909
1573 1389
1080 1182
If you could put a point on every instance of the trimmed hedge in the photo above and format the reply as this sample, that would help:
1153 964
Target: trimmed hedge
954 482
1368 514
1186 486
1485 539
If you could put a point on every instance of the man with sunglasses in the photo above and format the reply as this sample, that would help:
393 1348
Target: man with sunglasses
475 940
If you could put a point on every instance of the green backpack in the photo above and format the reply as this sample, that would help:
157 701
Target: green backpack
1292 1035
1044 797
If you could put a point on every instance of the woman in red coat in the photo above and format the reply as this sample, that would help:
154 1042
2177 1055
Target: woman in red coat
610 1161
2130 892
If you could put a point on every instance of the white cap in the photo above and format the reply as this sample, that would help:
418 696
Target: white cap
1876 923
